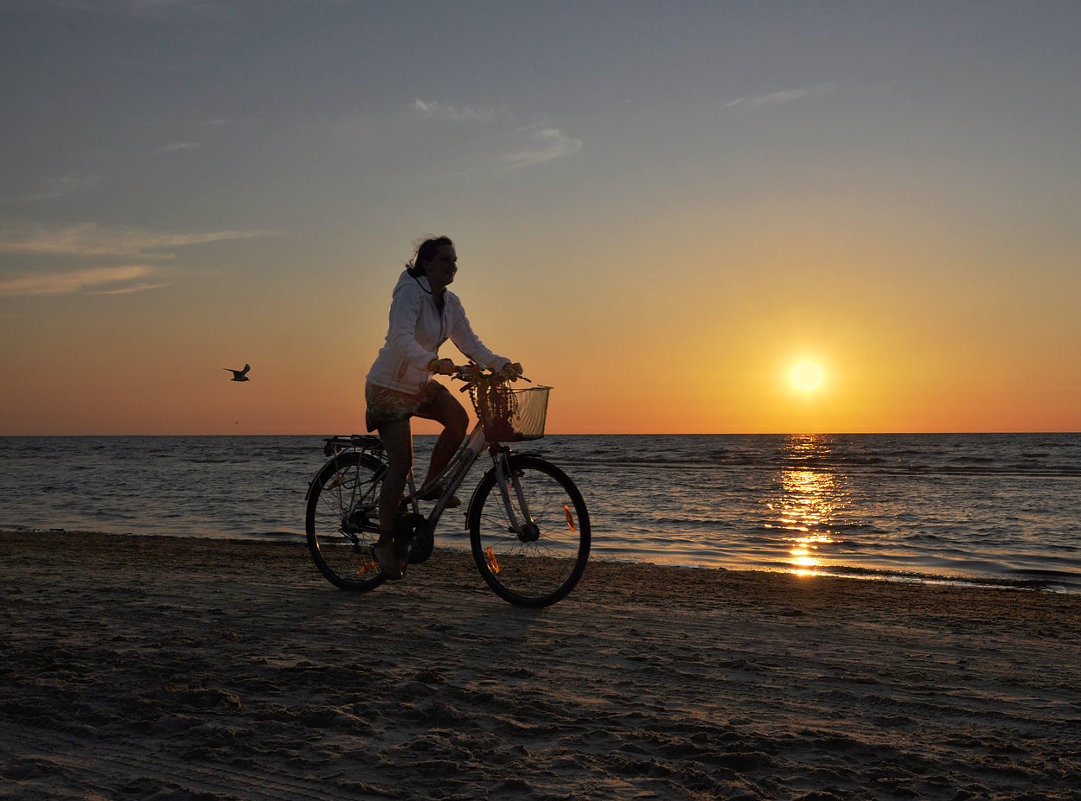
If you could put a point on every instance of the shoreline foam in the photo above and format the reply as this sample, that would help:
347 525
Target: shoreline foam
1050 581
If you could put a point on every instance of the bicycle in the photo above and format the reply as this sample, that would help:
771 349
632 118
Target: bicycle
528 524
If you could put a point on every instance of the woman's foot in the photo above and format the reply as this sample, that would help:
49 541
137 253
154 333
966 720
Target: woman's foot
430 492
435 492
387 560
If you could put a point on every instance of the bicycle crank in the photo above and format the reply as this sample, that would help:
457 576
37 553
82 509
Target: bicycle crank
414 538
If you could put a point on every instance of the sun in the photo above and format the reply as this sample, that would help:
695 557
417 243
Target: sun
806 376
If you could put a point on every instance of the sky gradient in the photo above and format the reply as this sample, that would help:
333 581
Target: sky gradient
660 208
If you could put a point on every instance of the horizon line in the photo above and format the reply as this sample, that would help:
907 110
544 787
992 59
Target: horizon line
591 434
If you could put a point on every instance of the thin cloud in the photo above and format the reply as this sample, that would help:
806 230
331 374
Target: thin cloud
98 280
542 142
130 290
61 186
176 147
784 96
90 239
545 144
443 111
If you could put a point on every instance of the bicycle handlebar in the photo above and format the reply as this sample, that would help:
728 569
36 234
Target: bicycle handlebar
473 373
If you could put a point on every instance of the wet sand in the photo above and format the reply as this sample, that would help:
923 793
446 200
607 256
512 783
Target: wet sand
163 668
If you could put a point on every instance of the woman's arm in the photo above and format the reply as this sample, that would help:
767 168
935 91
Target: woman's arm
461 334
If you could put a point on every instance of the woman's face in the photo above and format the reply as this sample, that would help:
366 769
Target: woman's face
441 267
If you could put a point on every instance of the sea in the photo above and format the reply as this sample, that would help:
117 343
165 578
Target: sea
1000 510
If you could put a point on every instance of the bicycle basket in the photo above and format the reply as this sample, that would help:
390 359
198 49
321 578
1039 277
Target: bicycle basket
510 415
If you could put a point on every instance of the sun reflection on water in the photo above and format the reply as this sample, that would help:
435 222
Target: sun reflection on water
811 495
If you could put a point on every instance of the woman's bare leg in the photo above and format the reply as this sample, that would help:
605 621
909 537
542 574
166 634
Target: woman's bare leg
446 410
398 441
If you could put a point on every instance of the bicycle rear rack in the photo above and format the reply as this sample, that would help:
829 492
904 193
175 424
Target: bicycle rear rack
360 442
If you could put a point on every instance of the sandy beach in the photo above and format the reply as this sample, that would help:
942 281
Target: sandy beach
164 668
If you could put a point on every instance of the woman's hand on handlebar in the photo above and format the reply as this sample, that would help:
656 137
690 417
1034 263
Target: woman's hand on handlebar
469 372
443 367
511 371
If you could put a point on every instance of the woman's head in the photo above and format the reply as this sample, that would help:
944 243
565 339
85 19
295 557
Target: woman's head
428 250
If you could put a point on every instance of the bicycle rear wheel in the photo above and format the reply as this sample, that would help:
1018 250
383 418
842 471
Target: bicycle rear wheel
342 520
541 564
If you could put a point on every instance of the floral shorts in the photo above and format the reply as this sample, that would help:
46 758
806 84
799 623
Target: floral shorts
388 405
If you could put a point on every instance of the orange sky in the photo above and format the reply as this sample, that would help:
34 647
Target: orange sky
696 346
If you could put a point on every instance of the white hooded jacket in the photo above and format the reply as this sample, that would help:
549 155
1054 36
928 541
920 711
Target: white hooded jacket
417 329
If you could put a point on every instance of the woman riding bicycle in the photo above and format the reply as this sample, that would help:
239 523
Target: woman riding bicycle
423 315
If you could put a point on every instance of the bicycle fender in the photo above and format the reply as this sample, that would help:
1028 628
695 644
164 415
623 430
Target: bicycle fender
378 465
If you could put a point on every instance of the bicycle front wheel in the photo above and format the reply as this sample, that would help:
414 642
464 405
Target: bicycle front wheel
342 520
537 558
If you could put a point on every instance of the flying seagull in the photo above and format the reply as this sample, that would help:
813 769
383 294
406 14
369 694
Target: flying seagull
239 375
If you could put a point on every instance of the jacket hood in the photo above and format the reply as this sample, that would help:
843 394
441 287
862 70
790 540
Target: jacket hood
405 279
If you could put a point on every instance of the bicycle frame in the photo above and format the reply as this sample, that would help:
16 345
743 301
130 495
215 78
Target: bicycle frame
458 468
453 475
